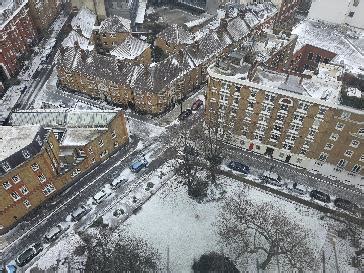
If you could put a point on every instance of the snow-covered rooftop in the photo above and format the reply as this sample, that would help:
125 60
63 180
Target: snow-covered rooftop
13 139
9 100
176 34
270 44
115 24
237 28
142 6
330 37
74 37
63 118
80 136
84 22
130 49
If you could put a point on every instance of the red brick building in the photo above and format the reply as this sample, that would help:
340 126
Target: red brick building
309 57
17 32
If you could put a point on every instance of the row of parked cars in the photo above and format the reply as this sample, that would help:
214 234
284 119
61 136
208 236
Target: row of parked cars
54 233
188 112
274 179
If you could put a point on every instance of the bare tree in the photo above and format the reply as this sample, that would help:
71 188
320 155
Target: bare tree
249 229
127 254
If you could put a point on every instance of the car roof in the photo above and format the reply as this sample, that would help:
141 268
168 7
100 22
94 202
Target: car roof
78 210
100 194
53 231
137 164
271 174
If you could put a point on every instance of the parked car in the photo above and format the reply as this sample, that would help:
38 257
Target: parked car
321 196
101 196
56 231
29 254
117 183
297 188
345 205
272 178
239 167
196 105
185 114
137 166
79 213
10 268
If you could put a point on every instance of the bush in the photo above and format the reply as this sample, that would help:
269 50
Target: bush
99 222
214 262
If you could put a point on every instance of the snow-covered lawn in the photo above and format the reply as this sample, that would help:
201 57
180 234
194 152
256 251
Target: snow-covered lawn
172 222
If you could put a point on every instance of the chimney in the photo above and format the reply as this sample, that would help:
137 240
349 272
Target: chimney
62 50
83 55
301 80
76 45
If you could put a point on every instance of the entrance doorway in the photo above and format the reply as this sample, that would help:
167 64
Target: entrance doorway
269 152
288 158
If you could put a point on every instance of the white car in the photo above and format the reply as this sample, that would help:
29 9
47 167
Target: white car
56 231
100 196
79 212
117 183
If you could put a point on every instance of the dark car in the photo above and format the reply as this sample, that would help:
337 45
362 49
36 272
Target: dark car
29 254
196 105
239 167
345 205
185 114
321 196
137 166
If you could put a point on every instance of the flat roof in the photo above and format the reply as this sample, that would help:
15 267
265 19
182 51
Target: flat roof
13 139
80 136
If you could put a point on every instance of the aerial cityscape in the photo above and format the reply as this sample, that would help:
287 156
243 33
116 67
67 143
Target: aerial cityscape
182 136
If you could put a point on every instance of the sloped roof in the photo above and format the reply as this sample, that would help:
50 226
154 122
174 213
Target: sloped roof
130 49
74 37
115 24
84 22
237 28
176 34
208 47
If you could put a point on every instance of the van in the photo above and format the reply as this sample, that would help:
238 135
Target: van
100 196
320 196
55 232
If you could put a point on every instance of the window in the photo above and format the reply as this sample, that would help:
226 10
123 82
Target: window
269 97
354 143
356 169
322 111
113 134
258 137
15 195
284 107
26 154
334 137
24 190
295 128
280 117
341 164
50 145
237 89
27 203
277 128
48 189
361 132
274 136
348 153
90 150
287 146
303 151
16 179
351 14
318 58
101 142
116 144
345 115
35 167
38 139
323 157
303 106
236 100
6 185
93 160
312 132
310 56
328 146
104 153
339 126
361 158
5 166
42 178
298 118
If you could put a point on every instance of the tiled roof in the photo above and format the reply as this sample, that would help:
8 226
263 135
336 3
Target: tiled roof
74 37
130 49
237 28
115 24
176 34
84 22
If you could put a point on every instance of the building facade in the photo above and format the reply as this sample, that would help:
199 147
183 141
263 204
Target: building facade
44 13
310 133
17 32
46 161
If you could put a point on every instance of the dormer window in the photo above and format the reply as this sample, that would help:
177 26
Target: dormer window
15 196
26 154
16 179
39 141
6 185
5 166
